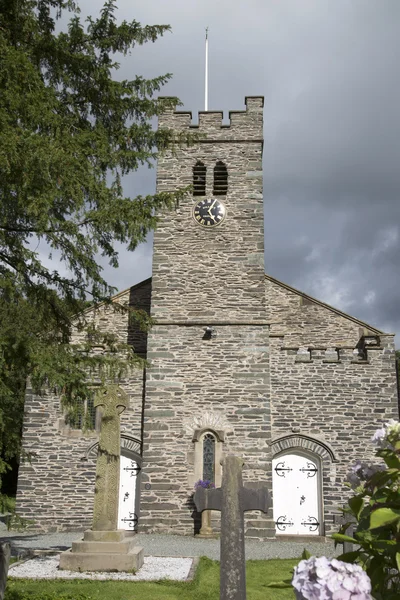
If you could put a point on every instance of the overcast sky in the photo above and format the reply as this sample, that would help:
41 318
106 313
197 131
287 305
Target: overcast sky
329 71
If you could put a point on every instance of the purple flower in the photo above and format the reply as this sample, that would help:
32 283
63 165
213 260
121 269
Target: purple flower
387 436
330 579
360 472
204 483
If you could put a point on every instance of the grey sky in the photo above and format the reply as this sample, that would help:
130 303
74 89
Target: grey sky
329 71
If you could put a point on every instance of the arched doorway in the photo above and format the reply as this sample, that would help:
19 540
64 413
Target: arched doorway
128 505
296 480
129 480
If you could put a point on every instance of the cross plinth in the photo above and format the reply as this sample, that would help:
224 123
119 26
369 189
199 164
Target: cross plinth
232 499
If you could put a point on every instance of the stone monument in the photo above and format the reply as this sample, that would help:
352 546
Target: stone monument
104 547
232 499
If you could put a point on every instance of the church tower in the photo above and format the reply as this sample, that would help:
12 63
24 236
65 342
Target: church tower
207 386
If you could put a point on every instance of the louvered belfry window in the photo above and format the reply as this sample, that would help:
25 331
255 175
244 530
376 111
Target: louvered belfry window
199 179
220 179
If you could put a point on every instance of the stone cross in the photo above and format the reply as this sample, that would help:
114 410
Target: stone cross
113 400
232 499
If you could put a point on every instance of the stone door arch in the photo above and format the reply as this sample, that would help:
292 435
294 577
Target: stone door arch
313 465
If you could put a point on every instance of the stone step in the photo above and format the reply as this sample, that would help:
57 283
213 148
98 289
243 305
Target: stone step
103 547
104 536
263 533
81 561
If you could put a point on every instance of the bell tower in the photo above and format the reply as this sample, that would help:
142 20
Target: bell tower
208 352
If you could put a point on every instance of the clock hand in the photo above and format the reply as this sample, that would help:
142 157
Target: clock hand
209 210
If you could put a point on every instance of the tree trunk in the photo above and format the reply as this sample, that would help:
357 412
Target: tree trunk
5 552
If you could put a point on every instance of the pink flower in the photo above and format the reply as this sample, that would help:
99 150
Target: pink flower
326 579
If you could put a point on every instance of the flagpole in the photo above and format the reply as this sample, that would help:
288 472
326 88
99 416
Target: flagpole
206 75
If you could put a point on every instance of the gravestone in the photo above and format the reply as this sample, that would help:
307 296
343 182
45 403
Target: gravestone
104 547
232 499
5 553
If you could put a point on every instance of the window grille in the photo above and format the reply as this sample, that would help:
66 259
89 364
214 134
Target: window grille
82 415
220 179
199 179
209 457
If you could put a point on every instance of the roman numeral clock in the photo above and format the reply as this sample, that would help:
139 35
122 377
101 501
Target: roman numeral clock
209 212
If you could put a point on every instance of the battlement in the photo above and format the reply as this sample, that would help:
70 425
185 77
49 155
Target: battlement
243 124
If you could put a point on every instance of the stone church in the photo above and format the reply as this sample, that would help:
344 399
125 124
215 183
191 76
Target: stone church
238 362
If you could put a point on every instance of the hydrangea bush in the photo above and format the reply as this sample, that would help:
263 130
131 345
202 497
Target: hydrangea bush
374 512
324 579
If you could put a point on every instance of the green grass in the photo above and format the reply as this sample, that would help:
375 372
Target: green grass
204 587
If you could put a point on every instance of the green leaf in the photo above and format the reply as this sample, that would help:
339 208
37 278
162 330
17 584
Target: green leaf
398 560
383 516
305 555
339 537
356 504
349 557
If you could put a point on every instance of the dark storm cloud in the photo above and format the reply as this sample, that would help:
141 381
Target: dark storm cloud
329 73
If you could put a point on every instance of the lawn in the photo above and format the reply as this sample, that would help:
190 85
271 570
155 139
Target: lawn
204 587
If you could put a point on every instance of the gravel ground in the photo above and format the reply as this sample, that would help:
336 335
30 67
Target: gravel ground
154 568
23 544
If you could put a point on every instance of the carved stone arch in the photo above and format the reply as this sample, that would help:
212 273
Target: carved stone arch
212 421
306 443
219 434
130 447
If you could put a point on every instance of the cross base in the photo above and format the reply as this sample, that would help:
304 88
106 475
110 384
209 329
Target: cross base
103 551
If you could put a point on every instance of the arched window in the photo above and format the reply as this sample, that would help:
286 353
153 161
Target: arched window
199 179
220 179
209 457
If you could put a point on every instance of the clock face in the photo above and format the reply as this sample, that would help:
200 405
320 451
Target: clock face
209 213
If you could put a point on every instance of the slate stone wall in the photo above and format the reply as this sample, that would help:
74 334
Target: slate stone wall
327 386
226 377
56 479
214 273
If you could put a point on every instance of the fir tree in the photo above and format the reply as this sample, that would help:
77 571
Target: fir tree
69 132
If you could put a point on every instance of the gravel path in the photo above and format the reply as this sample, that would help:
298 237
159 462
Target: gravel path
23 544
154 568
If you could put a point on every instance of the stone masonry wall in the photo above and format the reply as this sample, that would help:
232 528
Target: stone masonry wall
56 484
214 273
207 277
226 377
323 388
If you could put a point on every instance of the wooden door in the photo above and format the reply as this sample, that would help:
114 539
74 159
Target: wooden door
127 517
296 484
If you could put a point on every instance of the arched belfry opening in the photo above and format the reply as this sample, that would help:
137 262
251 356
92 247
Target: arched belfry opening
199 179
220 179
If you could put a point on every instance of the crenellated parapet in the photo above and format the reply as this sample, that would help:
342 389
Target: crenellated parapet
244 125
